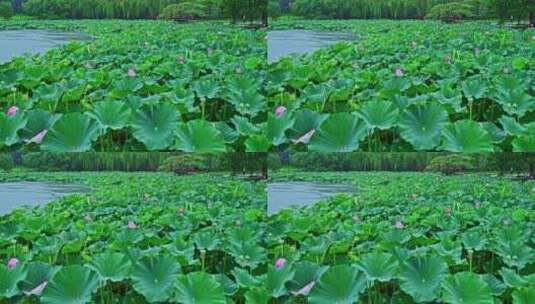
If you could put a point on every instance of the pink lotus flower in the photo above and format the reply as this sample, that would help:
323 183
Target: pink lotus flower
280 263
12 263
38 138
305 138
12 110
131 72
131 225
280 111
88 218
38 290
399 72
399 224
305 290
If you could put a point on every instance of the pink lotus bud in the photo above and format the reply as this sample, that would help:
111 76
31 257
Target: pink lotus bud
12 263
38 290
399 72
280 111
88 218
280 263
38 138
477 204
414 44
399 224
131 72
477 51
180 59
131 225
12 110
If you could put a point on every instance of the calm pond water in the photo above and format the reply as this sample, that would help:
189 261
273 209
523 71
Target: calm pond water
15 195
287 194
287 42
19 42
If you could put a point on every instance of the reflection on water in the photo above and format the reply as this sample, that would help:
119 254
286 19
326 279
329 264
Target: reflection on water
15 195
286 194
286 42
19 42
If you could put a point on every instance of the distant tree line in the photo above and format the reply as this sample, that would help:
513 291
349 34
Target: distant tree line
406 161
237 10
405 9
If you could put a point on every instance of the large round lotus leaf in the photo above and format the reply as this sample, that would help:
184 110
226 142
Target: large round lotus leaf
71 285
154 277
73 132
379 114
38 273
474 88
199 288
277 127
511 126
341 132
276 279
113 114
339 284
9 127
206 88
113 266
38 120
466 136
466 287
379 266
257 295
421 277
154 125
305 272
524 296
9 280
257 143
524 144
199 136
305 120
421 125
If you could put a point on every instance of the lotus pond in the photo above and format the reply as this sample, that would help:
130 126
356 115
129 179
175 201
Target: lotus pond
146 238
406 86
139 85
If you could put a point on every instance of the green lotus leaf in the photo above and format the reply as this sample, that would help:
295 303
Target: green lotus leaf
511 96
512 279
38 273
243 125
199 288
113 114
71 285
38 120
317 93
206 240
277 127
421 277
378 266
229 286
276 279
305 120
9 128
497 287
523 296
248 102
9 279
111 266
305 272
257 295
206 88
153 277
474 88
229 134
497 134
49 93
257 143
199 136
448 96
341 132
511 126
421 125
379 114
338 284
154 125
524 144
473 240
466 287
244 278
73 132
466 136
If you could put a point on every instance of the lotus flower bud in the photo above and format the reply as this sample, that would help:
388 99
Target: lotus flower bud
12 111
280 263
131 225
12 263
399 72
131 72
399 224
280 111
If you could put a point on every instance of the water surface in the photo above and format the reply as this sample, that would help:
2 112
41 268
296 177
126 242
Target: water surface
283 43
289 194
20 42
31 194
